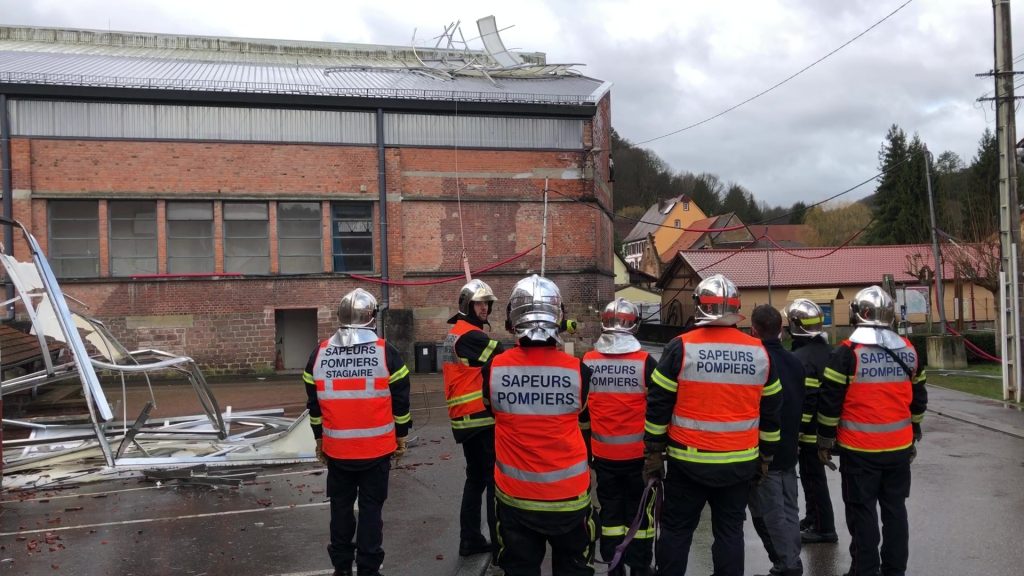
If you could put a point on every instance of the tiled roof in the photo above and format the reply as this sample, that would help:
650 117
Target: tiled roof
689 238
852 265
784 234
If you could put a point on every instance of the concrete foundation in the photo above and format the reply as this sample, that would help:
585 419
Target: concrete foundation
946 352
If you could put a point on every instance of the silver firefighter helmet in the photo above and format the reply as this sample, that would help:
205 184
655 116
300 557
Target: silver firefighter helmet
474 291
357 314
805 318
716 302
873 306
535 309
620 315
619 322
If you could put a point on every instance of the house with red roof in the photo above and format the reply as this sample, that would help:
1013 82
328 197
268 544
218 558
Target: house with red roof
828 276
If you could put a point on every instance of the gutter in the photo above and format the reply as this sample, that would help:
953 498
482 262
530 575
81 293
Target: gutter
382 190
8 203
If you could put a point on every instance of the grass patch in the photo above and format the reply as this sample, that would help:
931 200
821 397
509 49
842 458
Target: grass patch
979 379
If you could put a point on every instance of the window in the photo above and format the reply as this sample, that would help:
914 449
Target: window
686 206
132 237
246 241
189 237
300 249
679 223
352 236
74 246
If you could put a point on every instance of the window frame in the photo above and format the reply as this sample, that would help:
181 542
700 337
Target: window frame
113 238
171 259
337 236
283 238
57 261
234 239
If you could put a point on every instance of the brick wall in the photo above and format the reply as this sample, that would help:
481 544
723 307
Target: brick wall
231 326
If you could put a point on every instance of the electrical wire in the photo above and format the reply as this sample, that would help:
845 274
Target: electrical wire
776 85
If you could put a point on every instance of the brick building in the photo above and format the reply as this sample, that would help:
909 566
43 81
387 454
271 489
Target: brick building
213 196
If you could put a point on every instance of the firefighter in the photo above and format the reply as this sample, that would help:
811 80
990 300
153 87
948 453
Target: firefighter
358 400
870 410
621 375
811 347
715 410
541 475
467 348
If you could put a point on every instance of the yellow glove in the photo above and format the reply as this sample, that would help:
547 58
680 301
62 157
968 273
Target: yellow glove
320 451
402 447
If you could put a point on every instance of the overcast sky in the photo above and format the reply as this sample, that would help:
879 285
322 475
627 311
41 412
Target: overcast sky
677 62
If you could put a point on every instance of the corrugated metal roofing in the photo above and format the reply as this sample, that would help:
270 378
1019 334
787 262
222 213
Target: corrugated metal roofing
129 60
852 265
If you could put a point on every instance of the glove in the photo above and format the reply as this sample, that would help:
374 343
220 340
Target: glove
320 451
917 434
762 471
913 452
654 461
402 447
825 446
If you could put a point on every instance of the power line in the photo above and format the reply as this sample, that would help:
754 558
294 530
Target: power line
792 76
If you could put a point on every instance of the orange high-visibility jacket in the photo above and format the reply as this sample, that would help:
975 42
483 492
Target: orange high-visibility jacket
876 411
618 404
462 383
536 396
720 383
354 397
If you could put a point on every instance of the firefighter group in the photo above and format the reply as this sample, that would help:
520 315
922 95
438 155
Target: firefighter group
723 419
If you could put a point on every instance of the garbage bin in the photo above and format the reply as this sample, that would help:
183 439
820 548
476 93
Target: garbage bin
426 357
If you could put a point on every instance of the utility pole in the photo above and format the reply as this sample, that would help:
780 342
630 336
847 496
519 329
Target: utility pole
1009 208
940 296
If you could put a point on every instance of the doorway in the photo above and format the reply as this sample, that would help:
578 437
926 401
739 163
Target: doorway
296 331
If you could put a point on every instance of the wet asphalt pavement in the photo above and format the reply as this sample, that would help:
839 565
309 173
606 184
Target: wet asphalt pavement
966 508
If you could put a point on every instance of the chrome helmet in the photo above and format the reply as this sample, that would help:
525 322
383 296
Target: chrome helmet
535 309
716 302
620 315
474 291
873 306
805 318
358 309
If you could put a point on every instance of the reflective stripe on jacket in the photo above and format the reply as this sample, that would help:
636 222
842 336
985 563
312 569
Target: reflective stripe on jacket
352 388
536 397
462 382
718 399
876 411
618 403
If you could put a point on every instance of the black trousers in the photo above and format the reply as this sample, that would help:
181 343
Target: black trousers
871 483
370 486
817 500
685 498
479 452
620 487
524 534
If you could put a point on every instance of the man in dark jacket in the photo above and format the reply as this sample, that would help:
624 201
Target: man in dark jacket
811 347
774 507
